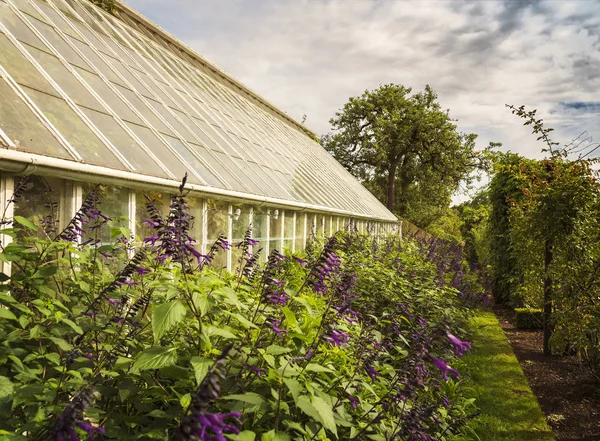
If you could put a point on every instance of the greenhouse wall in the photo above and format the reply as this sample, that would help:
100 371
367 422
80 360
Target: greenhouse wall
276 228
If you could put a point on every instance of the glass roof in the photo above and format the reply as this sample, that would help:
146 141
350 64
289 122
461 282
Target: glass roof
81 85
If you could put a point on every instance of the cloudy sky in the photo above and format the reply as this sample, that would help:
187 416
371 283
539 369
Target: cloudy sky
309 56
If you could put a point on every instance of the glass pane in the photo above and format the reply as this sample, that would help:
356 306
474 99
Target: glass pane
288 230
117 105
217 219
260 220
193 161
74 129
167 116
17 27
41 204
22 71
235 172
25 6
98 64
65 79
59 44
161 151
225 175
300 232
275 230
114 203
55 19
195 207
161 200
124 143
144 110
25 129
240 223
249 177
135 83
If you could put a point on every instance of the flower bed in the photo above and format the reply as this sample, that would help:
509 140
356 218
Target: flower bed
353 340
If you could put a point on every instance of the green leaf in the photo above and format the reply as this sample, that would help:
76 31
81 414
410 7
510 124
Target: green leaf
5 313
275 436
165 316
277 350
23 321
155 358
185 401
201 367
4 277
62 344
53 357
213 330
326 414
47 271
6 388
73 326
307 407
246 435
249 397
244 321
25 222
313 367
295 388
201 302
290 317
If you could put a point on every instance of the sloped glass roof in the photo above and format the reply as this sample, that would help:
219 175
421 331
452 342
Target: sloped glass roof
79 84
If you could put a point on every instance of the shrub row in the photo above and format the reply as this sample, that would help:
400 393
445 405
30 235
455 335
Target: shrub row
353 340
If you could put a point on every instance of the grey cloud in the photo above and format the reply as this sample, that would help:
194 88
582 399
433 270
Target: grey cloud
583 107
310 56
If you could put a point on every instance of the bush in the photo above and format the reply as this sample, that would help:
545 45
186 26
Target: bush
353 341
529 318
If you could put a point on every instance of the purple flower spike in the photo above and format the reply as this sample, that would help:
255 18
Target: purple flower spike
258 371
151 224
338 338
301 261
354 402
445 368
459 346
280 332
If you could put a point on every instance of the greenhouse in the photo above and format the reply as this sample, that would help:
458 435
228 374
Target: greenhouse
91 98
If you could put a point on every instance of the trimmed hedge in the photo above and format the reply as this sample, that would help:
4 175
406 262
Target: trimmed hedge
529 318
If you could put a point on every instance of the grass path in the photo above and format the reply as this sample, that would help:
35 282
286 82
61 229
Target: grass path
509 410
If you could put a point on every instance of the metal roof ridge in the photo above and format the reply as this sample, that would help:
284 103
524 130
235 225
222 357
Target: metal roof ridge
122 7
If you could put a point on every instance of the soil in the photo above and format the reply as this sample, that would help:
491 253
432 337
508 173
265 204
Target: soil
567 393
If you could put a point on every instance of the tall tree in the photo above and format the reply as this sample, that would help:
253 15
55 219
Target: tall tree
404 147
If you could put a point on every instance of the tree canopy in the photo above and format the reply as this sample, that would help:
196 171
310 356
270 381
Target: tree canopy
405 148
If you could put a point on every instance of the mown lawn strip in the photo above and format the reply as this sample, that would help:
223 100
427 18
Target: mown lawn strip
509 410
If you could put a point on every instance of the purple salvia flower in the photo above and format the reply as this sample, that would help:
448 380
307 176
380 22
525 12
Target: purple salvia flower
73 416
445 368
354 401
459 346
280 332
338 338
200 423
302 262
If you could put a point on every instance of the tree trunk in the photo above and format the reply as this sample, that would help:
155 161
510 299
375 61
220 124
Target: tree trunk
547 297
391 186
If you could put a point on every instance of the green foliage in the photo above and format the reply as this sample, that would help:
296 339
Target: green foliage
322 348
543 234
448 227
529 318
108 5
405 148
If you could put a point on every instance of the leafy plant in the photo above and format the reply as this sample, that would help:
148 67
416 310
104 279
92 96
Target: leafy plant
353 340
